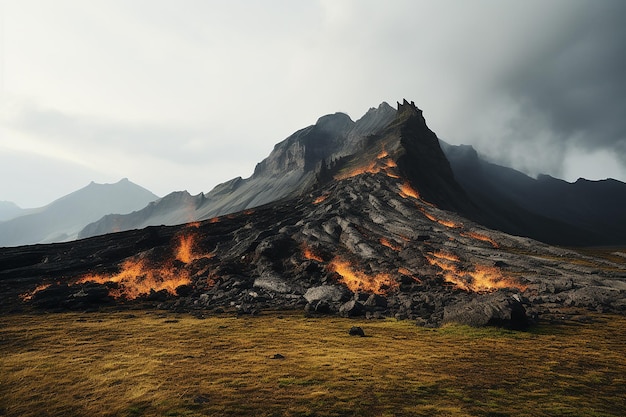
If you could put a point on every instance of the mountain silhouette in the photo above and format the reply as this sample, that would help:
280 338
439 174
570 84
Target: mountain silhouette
64 218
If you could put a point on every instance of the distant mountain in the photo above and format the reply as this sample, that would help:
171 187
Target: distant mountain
547 209
62 219
10 210
457 179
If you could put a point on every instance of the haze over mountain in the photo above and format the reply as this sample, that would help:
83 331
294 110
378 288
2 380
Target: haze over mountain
9 210
547 209
62 219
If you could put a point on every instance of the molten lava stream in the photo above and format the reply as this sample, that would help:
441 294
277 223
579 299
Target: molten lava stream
482 237
407 191
137 277
27 296
309 254
358 281
321 198
481 279
386 242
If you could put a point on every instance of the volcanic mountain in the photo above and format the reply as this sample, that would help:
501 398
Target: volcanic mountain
553 211
385 230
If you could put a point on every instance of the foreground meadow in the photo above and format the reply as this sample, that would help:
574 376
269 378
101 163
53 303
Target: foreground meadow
145 363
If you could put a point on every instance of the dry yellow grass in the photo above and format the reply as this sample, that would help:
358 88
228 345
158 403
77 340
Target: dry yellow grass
148 364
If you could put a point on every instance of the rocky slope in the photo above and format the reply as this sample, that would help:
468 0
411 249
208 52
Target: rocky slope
370 238
291 167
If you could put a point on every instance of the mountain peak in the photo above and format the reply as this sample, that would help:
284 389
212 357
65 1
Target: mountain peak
407 107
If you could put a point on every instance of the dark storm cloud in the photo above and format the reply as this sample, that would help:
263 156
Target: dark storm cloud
575 83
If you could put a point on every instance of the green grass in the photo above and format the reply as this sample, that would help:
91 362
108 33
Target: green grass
115 364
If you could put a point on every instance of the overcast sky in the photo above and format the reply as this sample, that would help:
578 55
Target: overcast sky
186 94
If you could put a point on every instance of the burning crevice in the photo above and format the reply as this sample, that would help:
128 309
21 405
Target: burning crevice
139 276
481 237
358 281
27 296
383 162
475 278
392 245
321 198
311 254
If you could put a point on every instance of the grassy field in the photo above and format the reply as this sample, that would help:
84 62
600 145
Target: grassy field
147 363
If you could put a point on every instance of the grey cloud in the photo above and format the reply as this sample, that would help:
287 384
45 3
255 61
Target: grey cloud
577 82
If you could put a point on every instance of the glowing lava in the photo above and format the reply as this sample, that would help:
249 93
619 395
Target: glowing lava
443 222
482 237
407 191
390 244
29 295
321 198
479 278
138 277
309 254
358 281
382 163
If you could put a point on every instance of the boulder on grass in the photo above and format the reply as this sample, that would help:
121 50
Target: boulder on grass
494 309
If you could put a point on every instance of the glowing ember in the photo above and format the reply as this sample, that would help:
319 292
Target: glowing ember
481 279
482 237
372 168
408 273
407 191
321 198
193 224
382 163
248 212
185 252
443 222
214 220
29 295
310 255
390 244
446 256
137 277
358 281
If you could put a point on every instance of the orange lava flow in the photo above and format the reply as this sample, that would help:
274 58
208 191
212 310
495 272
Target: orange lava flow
480 279
390 244
443 222
404 271
310 255
321 198
482 237
358 281
382 163
407 191
193 224
214 220
27 296
137 277
185 252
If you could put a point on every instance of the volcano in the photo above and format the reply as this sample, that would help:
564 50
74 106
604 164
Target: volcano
371 221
